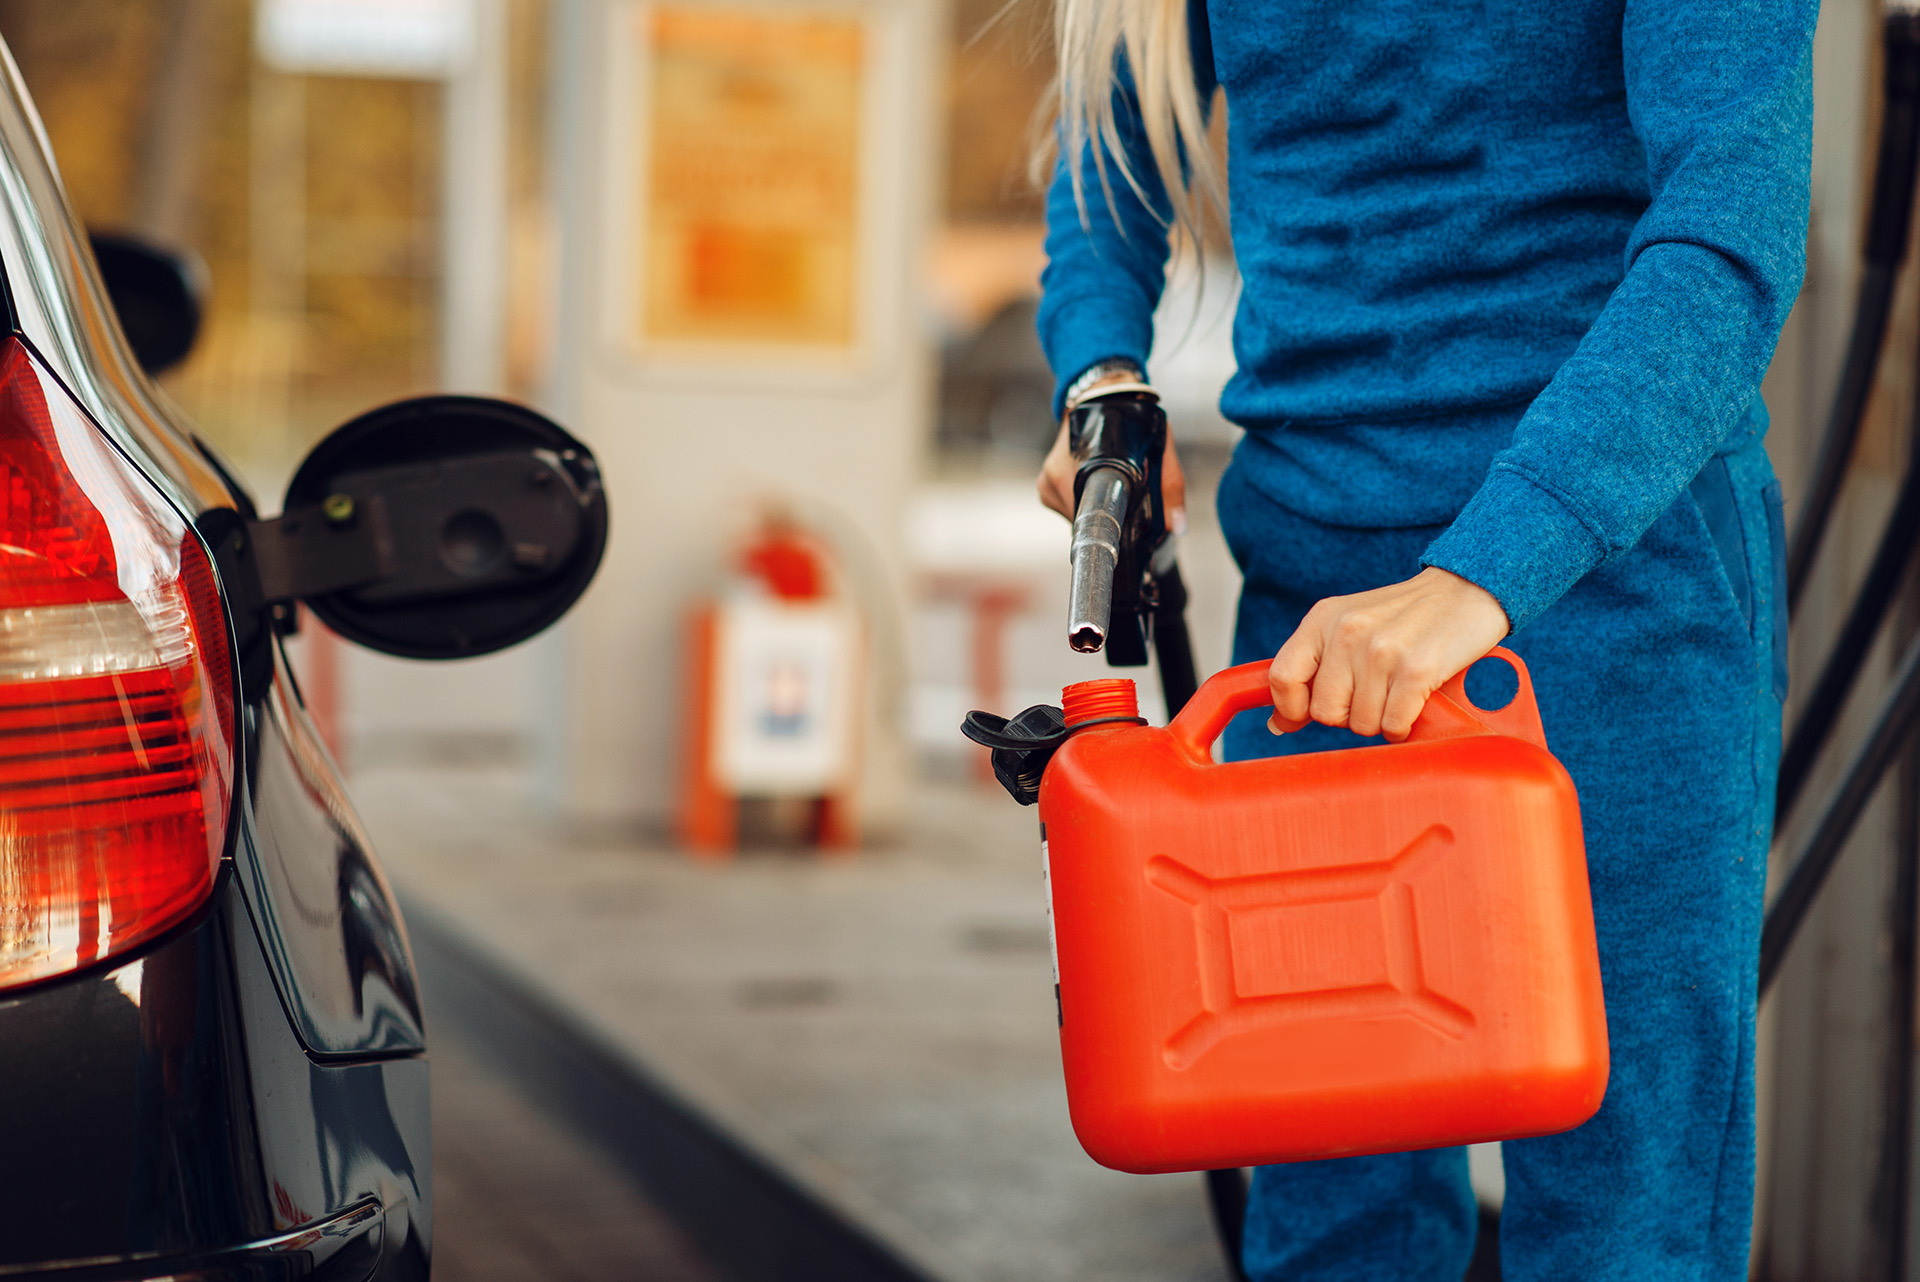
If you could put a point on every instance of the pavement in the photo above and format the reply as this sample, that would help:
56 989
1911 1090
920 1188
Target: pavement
518 1195
880 1026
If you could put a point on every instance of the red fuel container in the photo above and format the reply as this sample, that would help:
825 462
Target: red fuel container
1322 955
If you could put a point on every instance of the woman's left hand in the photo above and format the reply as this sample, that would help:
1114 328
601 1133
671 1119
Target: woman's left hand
1369 661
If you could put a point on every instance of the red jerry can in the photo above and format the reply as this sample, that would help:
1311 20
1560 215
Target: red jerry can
1336 953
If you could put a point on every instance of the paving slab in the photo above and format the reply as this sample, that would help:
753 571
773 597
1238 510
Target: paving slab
518 1195
878 1026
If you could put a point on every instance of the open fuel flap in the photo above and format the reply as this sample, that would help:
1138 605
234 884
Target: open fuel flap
436 528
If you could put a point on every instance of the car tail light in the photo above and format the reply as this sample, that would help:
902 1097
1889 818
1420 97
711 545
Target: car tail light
116 693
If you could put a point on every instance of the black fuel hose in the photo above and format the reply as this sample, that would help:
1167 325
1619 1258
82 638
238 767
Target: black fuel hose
1877 592
1843 423
1172 643
1899 714
1227 1194
1888 223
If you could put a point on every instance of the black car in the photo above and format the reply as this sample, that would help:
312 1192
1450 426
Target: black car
212 1061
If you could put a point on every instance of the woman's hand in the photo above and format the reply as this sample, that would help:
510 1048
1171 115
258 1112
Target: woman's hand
1056 481
1369 661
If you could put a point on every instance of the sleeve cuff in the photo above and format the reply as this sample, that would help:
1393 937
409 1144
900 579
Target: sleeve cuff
1520 542
1084 331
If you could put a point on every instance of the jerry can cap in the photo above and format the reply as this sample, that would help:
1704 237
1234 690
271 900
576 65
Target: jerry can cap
1022 745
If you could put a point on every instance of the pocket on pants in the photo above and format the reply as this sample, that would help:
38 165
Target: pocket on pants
1777 551
1748 532
1719 507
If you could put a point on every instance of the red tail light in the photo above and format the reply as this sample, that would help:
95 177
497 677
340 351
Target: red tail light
116 693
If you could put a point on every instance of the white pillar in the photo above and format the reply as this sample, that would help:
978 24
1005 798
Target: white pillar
473 283
691 434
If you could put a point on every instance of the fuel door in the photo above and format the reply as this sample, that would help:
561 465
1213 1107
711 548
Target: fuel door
438 528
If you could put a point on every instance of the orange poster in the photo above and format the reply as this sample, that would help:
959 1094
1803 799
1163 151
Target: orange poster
752 177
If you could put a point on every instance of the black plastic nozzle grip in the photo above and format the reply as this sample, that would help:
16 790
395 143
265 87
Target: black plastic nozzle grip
1118 441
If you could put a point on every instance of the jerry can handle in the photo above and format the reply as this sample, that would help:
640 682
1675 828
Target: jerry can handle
1449 714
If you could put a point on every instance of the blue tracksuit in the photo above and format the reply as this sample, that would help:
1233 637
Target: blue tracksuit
1512 274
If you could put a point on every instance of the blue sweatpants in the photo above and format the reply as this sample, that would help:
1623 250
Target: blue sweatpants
1659 678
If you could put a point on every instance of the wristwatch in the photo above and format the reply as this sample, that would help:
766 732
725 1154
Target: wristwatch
1099 372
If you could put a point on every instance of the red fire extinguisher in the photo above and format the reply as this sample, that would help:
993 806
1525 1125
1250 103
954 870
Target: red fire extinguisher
773 696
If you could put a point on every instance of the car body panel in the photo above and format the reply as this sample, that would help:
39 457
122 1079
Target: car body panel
331 928
349 1246
173 1113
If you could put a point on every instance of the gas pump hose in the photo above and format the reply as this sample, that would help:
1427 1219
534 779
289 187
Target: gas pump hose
1888 223
1892 732
1888 226
1842 669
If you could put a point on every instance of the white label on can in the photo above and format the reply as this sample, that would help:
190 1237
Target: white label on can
1046 884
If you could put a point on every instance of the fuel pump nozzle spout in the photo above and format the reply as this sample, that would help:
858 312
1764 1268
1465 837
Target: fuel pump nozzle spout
1099 524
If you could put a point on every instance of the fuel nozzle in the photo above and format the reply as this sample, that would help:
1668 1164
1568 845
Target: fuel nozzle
1099 522
1124 574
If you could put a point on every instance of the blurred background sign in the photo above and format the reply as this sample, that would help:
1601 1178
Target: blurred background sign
751 180
785 720
416 39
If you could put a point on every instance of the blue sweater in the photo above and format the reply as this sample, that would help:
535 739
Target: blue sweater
1509 264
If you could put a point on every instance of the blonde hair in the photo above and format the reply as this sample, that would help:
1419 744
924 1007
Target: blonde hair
1089 37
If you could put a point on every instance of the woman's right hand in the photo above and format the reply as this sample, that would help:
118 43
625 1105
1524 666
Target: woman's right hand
1057 473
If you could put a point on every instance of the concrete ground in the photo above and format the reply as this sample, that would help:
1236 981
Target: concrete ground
519 1196
881 1027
